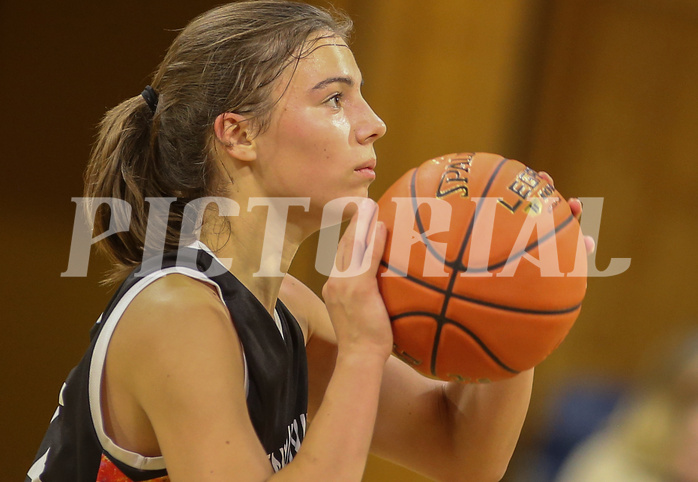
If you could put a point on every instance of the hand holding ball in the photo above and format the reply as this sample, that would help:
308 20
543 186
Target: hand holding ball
484 271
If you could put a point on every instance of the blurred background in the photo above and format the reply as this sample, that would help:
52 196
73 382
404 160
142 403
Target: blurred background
603 94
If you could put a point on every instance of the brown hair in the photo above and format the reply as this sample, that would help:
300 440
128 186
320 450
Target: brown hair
226 60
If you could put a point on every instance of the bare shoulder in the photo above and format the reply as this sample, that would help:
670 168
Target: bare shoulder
174 317
177 292
175 383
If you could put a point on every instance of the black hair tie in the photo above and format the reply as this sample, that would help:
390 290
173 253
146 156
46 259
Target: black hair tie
150 97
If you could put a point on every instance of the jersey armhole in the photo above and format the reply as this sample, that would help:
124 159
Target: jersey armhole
132 459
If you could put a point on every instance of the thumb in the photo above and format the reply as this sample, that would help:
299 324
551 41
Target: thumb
376 247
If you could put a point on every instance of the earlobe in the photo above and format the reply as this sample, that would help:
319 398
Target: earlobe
233 133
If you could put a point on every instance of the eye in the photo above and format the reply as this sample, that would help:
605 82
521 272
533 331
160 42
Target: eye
335 101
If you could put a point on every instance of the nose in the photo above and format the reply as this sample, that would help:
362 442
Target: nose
371 128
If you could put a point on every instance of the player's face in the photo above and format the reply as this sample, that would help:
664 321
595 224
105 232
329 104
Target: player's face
320 140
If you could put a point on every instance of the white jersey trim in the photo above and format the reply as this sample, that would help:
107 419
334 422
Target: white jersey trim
128 457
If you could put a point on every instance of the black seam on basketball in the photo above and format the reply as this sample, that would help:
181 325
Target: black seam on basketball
419 281
471 226
476 301
436 317
420 225
442 320
454 273
531 246
518 310
482 345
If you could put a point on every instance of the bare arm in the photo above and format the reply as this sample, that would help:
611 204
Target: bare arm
467 432
177 356
176 359
344 413
447 431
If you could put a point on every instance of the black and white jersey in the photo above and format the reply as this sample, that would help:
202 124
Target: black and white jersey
76 448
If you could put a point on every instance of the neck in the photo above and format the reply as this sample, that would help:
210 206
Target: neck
257 248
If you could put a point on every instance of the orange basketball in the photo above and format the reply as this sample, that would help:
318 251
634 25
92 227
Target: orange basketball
484 271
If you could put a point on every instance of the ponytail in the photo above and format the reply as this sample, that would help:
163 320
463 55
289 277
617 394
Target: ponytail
121 166
226 60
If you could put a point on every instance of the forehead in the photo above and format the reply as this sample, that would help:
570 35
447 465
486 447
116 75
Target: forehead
322 58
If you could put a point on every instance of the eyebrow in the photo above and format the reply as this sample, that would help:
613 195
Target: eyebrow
342 80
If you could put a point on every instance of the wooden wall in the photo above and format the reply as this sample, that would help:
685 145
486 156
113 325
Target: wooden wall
616 116
600 93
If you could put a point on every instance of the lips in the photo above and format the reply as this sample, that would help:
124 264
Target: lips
369 165
366 171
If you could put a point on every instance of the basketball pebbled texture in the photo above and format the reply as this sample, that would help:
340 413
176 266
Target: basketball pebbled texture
484 271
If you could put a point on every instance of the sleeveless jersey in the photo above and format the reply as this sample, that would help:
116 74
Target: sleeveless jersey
75 447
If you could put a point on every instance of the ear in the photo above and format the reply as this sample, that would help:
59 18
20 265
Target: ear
235 134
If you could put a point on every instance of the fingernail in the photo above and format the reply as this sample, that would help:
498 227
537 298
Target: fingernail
590 245
368 205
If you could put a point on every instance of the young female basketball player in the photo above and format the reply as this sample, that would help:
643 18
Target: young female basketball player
203 369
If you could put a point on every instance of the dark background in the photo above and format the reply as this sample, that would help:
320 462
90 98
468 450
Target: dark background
600 93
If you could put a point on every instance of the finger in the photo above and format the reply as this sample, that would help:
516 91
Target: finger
351 250
589 244
377 247
366 219
345 246
576 207
547 177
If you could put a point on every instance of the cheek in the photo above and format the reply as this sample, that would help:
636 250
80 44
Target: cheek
341 129
328 146
309 151
317 134
316 152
